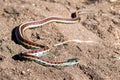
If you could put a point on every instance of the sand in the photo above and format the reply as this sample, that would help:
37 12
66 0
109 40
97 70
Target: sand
99 51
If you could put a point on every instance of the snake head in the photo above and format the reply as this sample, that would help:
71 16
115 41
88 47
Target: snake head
72 61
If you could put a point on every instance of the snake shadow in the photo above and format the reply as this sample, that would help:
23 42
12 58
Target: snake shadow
13 38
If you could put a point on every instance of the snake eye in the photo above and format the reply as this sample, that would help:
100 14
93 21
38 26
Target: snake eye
76 59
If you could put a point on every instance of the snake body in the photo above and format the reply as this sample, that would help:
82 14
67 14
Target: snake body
37 50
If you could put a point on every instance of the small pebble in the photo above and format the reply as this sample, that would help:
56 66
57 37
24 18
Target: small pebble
23 72
28 70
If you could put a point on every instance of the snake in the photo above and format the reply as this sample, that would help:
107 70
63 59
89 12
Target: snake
36 51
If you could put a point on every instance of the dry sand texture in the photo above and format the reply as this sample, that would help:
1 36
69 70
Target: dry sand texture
99 60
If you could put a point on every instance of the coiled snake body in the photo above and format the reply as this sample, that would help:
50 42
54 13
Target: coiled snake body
38 50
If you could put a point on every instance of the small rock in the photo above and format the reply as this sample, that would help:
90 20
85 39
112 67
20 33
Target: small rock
23 72
28 70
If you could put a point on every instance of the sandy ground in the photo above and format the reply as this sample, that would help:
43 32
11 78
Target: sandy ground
99 60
